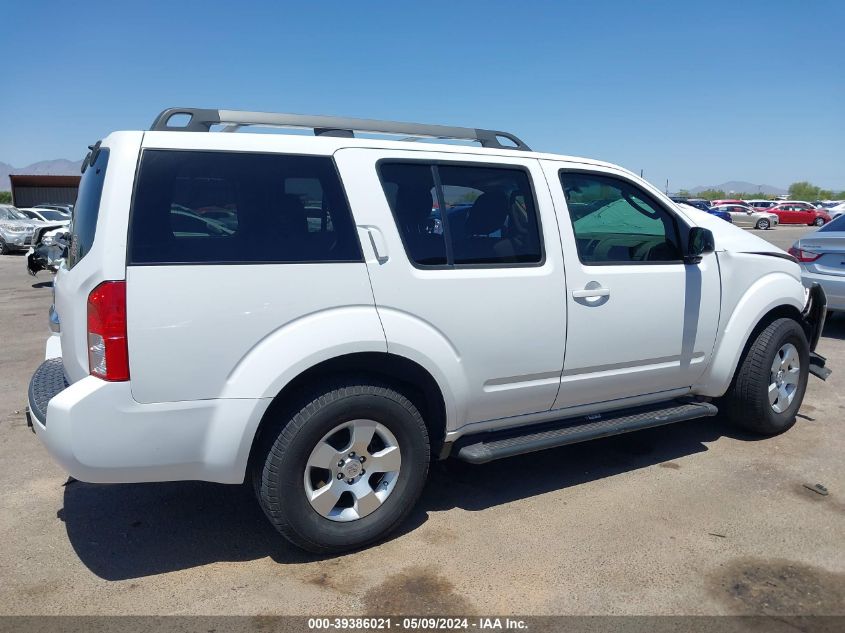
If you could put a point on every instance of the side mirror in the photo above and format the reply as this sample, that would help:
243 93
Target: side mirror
699 242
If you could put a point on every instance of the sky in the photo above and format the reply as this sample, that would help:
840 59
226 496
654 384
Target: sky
694 92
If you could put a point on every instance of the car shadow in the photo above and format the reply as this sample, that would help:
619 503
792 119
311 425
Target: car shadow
834 327
123 531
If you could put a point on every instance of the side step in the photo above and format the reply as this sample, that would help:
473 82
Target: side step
486 447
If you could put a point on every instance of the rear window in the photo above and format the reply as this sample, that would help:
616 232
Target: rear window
52 215
217 207
83 224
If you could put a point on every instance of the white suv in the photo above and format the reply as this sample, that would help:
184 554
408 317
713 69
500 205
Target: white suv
324 315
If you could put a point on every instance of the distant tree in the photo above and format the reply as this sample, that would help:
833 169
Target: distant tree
683 193
6 197
711 194
804 190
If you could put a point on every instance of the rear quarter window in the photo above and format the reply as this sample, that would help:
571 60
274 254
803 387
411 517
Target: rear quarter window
193 207
83 225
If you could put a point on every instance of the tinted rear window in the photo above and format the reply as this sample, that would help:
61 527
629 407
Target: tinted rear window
219 207
87 208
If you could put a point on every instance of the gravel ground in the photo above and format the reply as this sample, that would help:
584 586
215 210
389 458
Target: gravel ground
695 518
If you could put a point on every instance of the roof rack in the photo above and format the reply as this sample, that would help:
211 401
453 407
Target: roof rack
201 120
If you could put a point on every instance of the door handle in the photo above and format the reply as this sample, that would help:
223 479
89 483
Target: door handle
376 240
588 293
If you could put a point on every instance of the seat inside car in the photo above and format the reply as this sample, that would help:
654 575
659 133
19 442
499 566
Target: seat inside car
413 210
484 238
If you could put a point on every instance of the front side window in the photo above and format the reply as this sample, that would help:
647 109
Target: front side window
222 207
615 222
463 215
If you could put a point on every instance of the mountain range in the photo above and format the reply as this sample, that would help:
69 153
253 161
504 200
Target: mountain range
740 186
58 167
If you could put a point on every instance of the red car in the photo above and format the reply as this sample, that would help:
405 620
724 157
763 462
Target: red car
799 213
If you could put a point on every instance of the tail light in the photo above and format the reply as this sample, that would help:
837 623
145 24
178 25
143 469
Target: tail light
108 354
804 256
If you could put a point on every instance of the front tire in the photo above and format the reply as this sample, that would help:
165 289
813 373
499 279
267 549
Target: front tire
4 248
345 469
818 222
771 380
762 224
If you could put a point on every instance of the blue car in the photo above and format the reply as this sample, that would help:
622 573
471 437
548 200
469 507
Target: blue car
702 205
720 214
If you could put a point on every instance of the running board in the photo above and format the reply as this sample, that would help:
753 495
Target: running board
817 366
486 447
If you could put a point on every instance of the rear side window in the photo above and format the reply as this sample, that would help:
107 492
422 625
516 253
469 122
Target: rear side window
220 207
463 215
83 223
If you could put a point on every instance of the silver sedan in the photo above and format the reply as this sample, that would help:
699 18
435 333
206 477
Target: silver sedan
748 216
822 257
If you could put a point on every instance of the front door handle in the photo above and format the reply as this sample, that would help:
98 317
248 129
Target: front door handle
589 293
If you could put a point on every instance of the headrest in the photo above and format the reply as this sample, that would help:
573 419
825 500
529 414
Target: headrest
487 214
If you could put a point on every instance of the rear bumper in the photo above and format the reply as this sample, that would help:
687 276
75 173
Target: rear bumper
99 433
834 288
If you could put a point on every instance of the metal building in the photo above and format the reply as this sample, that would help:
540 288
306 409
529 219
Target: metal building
28 191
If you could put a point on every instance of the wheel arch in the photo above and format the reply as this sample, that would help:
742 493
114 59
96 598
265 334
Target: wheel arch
405 375
764 303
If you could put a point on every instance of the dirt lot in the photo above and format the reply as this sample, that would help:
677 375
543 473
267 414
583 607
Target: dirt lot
695 518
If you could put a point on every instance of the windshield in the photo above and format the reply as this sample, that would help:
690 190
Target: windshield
11 213
50 214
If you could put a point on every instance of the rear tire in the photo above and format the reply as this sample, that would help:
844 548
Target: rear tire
771 380
310 459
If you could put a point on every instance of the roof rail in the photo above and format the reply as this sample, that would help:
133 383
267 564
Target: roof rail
201 120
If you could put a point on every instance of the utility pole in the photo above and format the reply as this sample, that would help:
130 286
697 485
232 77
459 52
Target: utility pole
667 186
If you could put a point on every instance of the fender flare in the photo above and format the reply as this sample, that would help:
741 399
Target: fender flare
772 292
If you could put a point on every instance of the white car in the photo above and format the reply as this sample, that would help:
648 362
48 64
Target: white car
51 216
742 215
333 339
760 205
836 210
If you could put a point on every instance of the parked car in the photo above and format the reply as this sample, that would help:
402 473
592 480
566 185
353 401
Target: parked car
793 212
760 205
46 215
835 212
15 229
743 215
327 363
698 203
717 203
64 208
712 211
822 257
48 250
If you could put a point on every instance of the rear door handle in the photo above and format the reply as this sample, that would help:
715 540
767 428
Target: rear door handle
377 242
588 293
